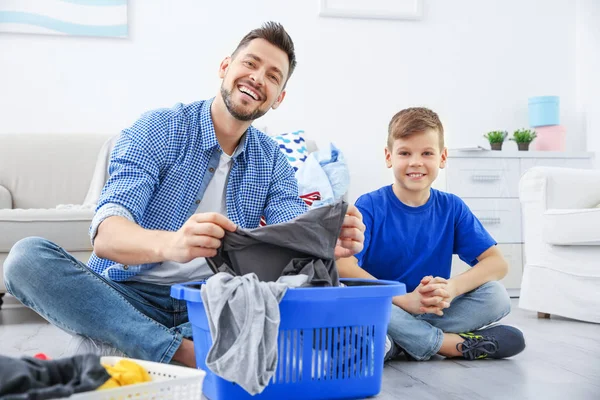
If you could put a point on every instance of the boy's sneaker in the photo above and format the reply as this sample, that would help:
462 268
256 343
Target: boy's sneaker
498 341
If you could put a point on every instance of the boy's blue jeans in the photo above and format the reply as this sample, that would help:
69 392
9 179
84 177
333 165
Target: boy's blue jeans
140 319
421 336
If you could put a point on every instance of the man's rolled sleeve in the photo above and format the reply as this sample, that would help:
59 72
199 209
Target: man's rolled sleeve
107 210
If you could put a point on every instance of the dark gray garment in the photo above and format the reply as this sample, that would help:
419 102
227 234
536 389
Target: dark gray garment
32 379
243 316
304 245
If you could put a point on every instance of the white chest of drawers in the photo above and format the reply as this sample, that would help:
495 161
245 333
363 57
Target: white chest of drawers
488 182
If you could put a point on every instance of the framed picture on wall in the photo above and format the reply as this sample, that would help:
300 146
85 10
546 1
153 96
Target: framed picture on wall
372 9
103 18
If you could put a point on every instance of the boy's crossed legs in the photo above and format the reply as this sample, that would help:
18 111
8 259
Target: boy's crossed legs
421 336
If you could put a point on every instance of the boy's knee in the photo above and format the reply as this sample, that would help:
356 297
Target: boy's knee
497 300
23 261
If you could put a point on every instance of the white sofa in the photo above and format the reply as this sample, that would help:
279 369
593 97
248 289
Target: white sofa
561 224
49 184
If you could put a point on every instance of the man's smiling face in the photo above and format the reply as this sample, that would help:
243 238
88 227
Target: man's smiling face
253 80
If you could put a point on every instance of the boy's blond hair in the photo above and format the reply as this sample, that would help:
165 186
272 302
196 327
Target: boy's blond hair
414 120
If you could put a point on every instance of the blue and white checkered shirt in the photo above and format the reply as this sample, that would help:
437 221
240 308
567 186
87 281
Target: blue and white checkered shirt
160 168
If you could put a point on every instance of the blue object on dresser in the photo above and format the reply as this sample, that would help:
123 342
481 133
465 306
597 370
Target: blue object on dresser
544 111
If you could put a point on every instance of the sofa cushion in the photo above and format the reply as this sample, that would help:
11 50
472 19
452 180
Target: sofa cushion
572 227
100 171
293 146
5 198
44 170
66 227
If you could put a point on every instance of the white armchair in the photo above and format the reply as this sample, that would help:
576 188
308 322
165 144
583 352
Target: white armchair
561 226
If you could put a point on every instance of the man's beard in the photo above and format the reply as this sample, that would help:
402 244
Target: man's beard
238 113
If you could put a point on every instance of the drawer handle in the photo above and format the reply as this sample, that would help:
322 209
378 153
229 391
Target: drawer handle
485 178
490 221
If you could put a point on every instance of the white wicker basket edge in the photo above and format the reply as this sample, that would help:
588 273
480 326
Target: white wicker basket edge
168 382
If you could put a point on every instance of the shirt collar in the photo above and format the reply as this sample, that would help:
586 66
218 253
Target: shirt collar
209 137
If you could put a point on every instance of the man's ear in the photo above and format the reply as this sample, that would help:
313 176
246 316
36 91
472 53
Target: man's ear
444 158
224 66
279 100
388 158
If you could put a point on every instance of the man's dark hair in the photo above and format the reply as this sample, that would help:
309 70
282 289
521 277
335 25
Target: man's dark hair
273 33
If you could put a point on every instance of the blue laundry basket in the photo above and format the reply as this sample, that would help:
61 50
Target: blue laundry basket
331 341
544 111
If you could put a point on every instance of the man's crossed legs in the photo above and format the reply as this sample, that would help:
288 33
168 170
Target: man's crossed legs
139 319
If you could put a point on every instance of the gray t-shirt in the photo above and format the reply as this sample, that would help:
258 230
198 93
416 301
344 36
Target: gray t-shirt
171 272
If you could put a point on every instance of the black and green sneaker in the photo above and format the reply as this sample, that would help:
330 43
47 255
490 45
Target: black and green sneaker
498 341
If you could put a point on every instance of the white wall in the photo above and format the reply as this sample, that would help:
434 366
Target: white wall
588 75
474 62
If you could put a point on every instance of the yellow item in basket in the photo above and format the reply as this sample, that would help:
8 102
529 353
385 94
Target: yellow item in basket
123 373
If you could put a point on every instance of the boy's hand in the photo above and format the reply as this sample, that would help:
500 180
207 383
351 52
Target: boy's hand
352 235
200 236
437 289
427 300
415 303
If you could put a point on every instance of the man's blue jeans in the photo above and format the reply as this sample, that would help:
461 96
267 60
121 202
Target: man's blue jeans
140 319
421 336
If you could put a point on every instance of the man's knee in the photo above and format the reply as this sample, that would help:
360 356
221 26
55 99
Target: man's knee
24 261
496 299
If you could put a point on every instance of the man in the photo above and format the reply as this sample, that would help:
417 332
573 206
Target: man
179 178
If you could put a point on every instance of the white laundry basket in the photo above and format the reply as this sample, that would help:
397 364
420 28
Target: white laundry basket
168 382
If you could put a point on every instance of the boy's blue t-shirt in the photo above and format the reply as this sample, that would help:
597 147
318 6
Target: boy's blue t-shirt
404 243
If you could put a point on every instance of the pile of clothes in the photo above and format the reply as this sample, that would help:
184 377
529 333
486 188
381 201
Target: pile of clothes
323 178
37 378
324 172
253 270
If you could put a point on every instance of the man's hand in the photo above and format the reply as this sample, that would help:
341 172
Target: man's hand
352 235
200 236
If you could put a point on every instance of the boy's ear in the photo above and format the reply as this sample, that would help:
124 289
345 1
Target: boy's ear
388 158
444 158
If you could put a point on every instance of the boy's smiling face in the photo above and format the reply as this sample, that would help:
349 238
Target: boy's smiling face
415 161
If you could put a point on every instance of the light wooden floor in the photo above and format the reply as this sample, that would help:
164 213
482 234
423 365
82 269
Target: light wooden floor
561 361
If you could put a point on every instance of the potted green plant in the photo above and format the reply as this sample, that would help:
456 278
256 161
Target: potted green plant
496 138
523 137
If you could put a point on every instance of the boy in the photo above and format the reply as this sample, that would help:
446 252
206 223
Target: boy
412 232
